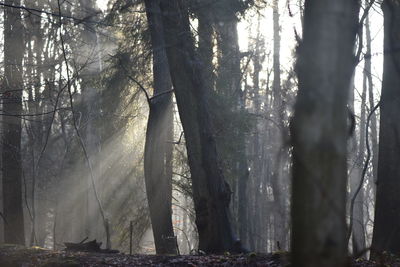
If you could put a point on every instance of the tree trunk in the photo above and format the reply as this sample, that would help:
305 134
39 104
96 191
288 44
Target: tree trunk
228 85
211 194
374 127
205 49
319 133
12 104
386 236
355 170
158 176
280 229
39 213
88 56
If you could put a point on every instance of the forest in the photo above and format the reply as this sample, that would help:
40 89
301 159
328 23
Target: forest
200 133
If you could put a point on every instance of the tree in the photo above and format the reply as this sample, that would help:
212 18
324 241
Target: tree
319 132
211 193
280 229
355 172
156 160
88 55
229 107
11 139
386 235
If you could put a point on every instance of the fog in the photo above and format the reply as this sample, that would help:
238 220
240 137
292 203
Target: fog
88 86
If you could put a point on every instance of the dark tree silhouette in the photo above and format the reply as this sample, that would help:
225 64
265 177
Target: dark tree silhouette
319 132
386 235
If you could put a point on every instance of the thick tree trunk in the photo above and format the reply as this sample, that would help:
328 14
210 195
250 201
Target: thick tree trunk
211 194
205 49
386 236
158 174
319 133
12 105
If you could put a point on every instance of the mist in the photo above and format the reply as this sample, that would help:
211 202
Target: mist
237 126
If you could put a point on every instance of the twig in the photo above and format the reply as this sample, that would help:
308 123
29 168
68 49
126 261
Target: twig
84 240
179 140
161 94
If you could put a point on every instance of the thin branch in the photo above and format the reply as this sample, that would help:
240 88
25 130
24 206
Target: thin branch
148 98
364 171
59 14
161 94
361 30
33 114
179 140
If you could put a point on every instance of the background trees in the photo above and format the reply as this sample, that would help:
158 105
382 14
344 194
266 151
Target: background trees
230 160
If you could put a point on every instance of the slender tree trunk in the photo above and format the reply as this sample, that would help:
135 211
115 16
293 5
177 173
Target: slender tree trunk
357 163
250 228
39 214
280 229
158 174
374 127
12 104
211 194
88 56
319 133
386 236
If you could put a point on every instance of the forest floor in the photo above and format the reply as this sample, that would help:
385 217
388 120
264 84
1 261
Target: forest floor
11 256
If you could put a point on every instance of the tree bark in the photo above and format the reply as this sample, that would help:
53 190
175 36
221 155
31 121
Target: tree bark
205 48
158 175
319 133
211 194
12 105
386 235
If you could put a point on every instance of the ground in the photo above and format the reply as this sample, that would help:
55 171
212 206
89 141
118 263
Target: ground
11 256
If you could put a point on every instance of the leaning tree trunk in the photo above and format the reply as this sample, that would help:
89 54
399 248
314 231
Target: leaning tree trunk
386 236
158 176
12 88
211 194
319 133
